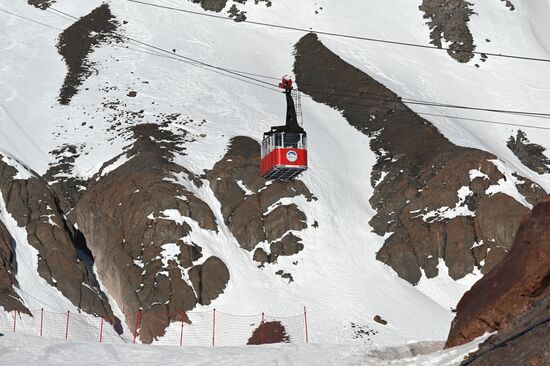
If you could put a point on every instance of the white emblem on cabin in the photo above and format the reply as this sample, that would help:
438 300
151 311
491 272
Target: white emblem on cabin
291 156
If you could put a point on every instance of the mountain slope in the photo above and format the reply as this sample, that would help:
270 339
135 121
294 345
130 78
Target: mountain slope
138 115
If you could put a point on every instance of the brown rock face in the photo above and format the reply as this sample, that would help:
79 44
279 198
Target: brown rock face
431 194
35 207
249 203
9 299
134 221
514 284
209 279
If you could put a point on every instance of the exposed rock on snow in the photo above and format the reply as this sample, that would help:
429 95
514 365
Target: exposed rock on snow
511 288
78 41
531 155
449 23
436 199
257 215
41 4
35 208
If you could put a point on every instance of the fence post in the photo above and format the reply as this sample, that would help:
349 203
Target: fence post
138 318
214 328
41 320
305 321
262 335
101 331
181 333
67 326
14 319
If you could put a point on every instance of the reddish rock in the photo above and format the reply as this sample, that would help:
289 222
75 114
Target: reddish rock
268 333
518 280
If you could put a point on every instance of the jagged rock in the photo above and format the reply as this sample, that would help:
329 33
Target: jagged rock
134 220
9 299
531 155
449 21
434 194
35 207
246 197
513 285
209 279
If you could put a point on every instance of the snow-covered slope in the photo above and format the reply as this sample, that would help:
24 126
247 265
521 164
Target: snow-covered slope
26 350
338 277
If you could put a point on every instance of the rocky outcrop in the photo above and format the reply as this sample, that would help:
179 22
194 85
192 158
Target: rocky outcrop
435 199
78 41
514 284
531 155
252 208
449 22
136 220
9 299
60 262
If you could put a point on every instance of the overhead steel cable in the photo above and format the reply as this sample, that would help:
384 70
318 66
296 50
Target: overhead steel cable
370 96
340 35
30 20
177 57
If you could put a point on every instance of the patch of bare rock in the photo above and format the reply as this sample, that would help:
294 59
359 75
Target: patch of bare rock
78 41
448 22
41 4
432 197
530 154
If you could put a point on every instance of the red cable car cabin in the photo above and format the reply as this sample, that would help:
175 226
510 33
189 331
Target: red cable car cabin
284 148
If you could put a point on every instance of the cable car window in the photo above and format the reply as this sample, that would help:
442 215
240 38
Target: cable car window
278 139
304 142
292 140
